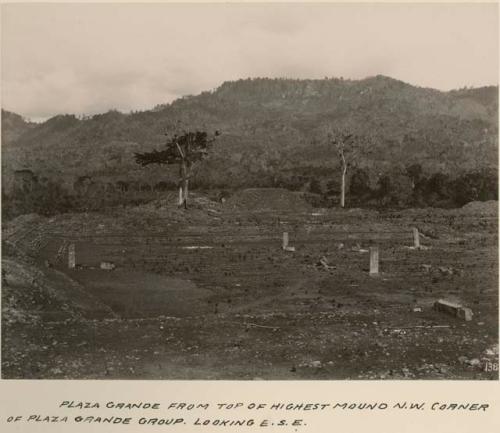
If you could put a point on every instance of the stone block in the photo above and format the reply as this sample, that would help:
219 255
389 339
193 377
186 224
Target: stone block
107 266
453 309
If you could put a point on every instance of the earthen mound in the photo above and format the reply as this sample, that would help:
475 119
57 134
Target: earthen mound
272 199
481 208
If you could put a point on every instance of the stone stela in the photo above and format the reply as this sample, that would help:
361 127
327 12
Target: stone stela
285 240
71 256
416 238
373 260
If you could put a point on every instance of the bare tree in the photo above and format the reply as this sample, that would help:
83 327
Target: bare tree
348 147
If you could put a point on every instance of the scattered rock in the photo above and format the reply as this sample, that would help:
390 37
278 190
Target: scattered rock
312 364
356 247
474 362
107 266
493 351
445 270
323 262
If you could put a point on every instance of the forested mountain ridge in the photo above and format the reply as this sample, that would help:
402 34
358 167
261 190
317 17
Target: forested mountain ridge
13 126
271 128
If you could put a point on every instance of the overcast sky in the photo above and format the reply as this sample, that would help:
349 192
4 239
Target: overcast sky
92 58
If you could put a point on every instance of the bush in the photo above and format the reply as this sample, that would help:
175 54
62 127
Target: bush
359 186
395 189
479 185
315 186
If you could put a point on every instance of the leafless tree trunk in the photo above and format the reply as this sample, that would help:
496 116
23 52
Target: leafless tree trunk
183 189
180 195
342 191
186 192
344 171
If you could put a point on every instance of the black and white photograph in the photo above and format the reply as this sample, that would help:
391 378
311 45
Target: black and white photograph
249 191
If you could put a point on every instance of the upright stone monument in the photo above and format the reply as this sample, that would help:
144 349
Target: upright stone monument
71 256
373 260
416 238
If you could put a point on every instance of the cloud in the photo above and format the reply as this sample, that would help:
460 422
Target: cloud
91 58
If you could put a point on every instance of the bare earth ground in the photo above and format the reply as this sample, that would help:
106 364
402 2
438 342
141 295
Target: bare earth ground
240 307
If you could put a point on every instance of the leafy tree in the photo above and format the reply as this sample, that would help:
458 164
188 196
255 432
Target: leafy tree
438 184
315 186
122 186
394 188
360 183
187 150
478 185
82 184
414 172
436 190
162 186
419 183
332 187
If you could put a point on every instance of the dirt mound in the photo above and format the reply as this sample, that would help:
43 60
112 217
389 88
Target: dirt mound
29 293
145 216
24 234
278 199
21 223
481 207
169 202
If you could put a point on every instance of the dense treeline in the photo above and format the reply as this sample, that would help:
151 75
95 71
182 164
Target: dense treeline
403 188
397 188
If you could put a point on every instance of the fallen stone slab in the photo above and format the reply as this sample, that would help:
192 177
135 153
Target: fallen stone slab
445 270
453 309
323 262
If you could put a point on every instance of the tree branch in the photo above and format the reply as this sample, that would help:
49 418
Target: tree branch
180 150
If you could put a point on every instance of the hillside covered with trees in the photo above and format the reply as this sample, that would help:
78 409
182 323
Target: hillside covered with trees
421 146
